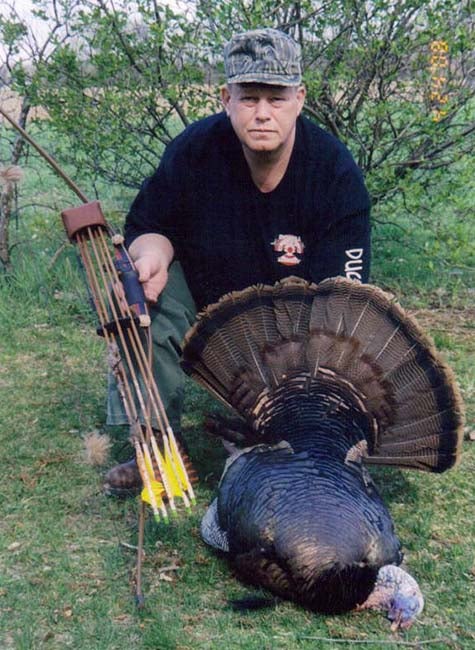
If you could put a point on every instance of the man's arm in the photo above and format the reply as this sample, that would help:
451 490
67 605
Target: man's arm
152 255
345 249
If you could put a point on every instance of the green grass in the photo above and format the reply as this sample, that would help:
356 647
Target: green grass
66 579
423 239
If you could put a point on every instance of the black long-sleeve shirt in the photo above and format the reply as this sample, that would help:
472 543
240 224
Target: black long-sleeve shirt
229 235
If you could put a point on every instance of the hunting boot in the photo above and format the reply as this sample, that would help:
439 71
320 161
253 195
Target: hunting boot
124 480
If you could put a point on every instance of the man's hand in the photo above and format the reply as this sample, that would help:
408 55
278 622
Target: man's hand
153 274
152 255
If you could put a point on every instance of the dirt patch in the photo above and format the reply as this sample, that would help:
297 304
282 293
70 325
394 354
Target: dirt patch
458 323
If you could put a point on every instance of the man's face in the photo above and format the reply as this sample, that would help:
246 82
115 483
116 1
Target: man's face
263 116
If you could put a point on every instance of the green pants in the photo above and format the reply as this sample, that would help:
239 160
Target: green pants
172 316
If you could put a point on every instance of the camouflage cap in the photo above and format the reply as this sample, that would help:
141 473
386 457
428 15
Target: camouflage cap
265 56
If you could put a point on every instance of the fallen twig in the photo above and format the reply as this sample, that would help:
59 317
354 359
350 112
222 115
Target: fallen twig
171 567
410 644
131 547
56 255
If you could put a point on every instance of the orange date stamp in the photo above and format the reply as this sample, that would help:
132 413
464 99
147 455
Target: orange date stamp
439 67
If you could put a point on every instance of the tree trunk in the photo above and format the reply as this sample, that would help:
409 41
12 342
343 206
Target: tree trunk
6 199
7 196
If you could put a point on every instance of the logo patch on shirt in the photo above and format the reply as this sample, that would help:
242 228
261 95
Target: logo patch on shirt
291 247
354 263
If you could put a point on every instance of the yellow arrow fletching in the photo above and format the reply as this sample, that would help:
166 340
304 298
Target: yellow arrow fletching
175 475
158 491
157 487
175 478
172 479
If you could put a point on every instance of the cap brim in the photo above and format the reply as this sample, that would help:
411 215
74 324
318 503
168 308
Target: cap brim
266 79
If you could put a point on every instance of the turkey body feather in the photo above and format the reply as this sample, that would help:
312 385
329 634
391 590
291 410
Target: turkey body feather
327 377
282 512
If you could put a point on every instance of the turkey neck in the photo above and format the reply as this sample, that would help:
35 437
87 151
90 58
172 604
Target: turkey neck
324 418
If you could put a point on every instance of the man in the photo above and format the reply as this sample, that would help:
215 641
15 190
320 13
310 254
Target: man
250 195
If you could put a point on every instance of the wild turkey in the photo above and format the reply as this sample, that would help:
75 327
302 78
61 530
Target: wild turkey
325 377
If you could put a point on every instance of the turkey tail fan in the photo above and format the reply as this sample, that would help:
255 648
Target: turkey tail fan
249 343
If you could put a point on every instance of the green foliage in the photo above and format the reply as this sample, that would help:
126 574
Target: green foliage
123 90
118 84
11 32
126 82
424 234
